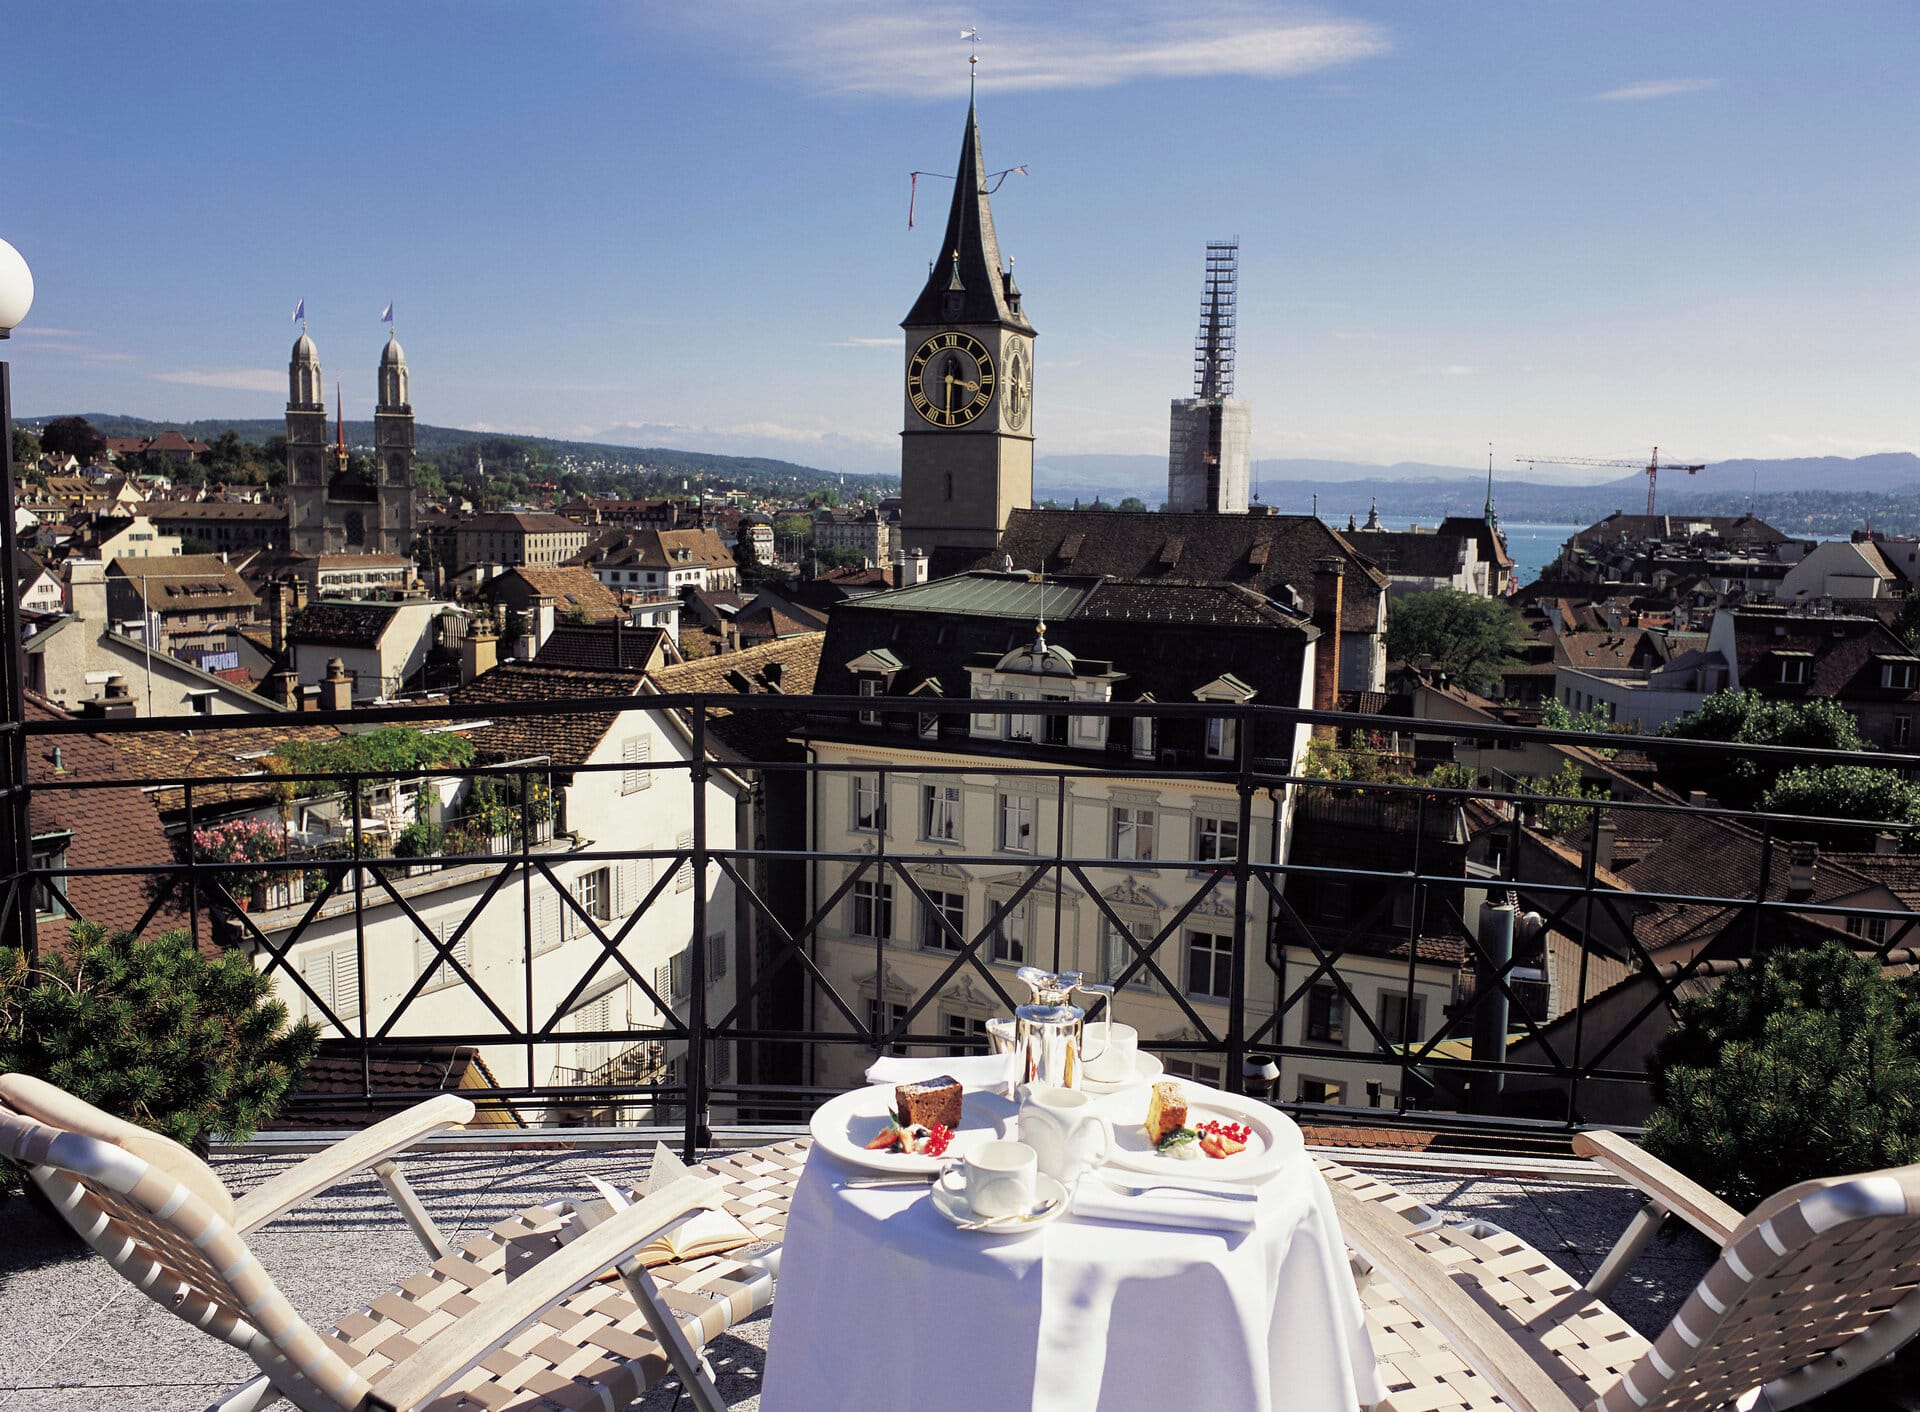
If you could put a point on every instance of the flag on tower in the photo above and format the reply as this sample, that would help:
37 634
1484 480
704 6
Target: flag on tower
300 311
386 316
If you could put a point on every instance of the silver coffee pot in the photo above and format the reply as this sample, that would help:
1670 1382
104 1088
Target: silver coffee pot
1049 1034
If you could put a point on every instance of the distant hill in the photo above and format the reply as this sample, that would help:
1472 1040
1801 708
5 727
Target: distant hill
1812 495
433 441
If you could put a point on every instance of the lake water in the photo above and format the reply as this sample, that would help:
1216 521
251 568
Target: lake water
1533 547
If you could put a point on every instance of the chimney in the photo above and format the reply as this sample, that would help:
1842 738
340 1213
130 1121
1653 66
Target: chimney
114 703
1329 577
1886 841
1603 845
911 568
278 597
478 651
87 591
540 622
1802 863
283 686
336 690
1697 798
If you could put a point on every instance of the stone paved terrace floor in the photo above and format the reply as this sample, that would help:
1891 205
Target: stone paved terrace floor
76 1335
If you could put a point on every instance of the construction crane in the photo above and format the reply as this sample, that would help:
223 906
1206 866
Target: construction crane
1653 467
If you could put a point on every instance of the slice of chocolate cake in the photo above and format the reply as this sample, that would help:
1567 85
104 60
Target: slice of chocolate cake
930 1103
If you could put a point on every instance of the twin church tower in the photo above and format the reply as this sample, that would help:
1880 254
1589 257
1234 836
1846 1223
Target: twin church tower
333 507
966 457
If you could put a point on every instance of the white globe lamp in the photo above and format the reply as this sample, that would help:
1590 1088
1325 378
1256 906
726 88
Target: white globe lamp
16 289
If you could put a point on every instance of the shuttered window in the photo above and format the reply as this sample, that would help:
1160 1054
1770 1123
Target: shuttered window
335 978
424 954
683 879
635 752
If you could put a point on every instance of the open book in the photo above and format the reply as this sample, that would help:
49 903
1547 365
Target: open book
705 1233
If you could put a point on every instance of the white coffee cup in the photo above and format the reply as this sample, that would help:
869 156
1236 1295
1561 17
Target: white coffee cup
996 1179
1118 1059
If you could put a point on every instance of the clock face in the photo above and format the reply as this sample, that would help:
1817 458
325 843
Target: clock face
950 379
1019 388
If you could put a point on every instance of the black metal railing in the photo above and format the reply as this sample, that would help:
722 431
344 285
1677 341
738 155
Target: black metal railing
746 915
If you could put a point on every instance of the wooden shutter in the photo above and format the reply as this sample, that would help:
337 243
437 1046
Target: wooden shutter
634 754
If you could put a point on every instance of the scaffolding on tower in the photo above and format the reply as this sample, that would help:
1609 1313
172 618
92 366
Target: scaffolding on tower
1213 347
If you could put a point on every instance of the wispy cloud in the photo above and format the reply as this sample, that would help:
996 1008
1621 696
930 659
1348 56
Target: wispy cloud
888 342
873 48
232 379
1652 88
1448 370
69 344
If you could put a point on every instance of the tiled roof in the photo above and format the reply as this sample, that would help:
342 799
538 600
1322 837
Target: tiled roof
666 549
162 512
770 615
1732 529
1615 650
331 624
515 521
111 828
184 583
335 1072
569 737
1263 553
601 647
226 762
1841 653
787 666
1899 873
1327 1135
571 589
1413 554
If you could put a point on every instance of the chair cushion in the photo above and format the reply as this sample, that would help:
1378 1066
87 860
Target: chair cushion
44 1103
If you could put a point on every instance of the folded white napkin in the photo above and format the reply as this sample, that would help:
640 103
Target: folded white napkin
1094 1200
974 1071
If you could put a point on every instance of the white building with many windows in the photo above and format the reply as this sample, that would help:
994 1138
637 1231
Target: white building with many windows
982 836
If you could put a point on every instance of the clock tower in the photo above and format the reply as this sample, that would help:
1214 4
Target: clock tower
966 454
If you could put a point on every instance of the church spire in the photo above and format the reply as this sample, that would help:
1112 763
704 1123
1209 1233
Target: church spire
981 295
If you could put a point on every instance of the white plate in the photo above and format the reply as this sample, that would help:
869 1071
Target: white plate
1050 1204
1273 1138
1146 1068
846 1124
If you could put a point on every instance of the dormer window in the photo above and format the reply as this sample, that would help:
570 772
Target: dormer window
1054 726
1793 671
50 881
1145 730
1898 673
873 674
1223 732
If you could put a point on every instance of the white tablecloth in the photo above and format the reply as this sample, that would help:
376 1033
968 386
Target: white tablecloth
883 1305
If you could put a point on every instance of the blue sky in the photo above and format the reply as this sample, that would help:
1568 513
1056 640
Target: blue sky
1565 229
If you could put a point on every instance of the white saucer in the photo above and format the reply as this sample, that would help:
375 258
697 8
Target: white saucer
1146 1068
1050 1204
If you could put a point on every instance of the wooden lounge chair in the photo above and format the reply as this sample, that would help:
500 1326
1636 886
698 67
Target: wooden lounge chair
459 1334
1818 1284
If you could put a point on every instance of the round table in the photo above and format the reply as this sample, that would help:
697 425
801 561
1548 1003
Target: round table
882 1304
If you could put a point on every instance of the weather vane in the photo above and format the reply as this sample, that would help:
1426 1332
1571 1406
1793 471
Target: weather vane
972 35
